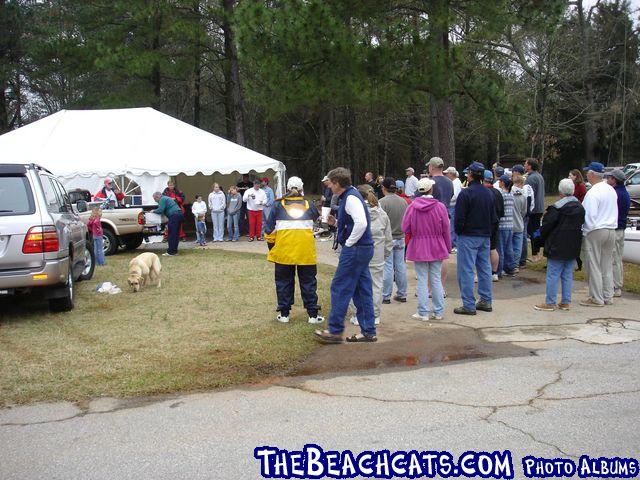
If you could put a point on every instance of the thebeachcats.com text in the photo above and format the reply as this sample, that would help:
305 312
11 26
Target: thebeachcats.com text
312 462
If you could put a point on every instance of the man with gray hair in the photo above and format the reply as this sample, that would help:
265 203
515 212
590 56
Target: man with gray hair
600 223
561 232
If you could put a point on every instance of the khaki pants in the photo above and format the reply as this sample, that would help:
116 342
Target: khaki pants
618 269
376 270
597 255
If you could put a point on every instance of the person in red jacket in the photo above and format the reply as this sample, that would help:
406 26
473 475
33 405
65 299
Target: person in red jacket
578 182
175 193
110 193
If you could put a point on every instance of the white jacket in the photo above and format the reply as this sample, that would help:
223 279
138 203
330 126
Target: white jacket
199 208
217 201
255 199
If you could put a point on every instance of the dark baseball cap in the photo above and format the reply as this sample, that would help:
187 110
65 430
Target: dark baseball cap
505 179
617 174
518 168
389 183
499 171
595 167
476 167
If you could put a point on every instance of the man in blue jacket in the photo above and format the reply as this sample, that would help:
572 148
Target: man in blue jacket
168 207
616 180
352 278
475 218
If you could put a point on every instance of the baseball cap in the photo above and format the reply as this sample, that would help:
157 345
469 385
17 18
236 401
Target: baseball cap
488 175
517 168
499 171
399 184
505 179
425 184
295 182
476 167
595 167
451 170
325 178
617 174
435 162
409 169
389 183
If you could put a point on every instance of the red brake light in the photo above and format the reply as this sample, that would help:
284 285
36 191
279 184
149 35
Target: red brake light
41 239
141 218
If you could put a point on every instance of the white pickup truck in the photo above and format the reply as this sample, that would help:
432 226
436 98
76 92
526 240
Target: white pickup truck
123 227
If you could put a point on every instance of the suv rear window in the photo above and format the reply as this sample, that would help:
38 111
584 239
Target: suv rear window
15 196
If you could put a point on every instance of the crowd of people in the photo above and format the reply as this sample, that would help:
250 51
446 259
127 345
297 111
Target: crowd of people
487 220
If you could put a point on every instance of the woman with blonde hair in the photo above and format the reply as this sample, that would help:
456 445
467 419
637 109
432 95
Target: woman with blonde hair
382 246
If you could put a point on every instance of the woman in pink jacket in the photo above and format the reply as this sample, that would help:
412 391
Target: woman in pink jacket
427 222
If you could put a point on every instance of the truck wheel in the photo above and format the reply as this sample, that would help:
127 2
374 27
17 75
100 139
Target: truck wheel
110 242
131 242
65 304
89 261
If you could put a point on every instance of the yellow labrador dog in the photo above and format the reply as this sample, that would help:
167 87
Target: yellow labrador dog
144 266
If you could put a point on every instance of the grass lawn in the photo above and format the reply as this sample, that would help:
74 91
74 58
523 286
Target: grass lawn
212 324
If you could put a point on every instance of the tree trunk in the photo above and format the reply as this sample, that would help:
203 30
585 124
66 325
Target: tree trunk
156 80
446 143
4 108
590 132
197 72
435 137
322 140
231 54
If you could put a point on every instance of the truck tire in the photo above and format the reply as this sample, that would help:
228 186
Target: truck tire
66 303
133 241
110 241
89 261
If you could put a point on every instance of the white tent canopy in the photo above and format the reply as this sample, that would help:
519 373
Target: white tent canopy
146 146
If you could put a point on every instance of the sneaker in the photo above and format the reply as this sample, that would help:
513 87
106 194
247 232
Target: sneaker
317 319
463 311
423 318
251 239
484 306
516 270
283 318
376 321
494 277
400 299
260 239
545 307
454 250
608 302
617 293
167 254
354 320
564 306
433 316
590 303
386 301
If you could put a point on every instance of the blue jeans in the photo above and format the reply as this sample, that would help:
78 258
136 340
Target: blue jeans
266 211
516 241
217 218
201 231
452 214
559 270
395 268
98 250
175 222
429 271
523 252
233 229
352 280
473 253
505 251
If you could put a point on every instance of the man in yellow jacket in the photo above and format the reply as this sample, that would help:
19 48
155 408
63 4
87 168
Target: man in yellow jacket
289 233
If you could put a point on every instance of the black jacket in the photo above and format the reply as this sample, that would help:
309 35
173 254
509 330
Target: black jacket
561 229
475 213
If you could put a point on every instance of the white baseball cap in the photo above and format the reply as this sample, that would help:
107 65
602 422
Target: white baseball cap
295 182
425 184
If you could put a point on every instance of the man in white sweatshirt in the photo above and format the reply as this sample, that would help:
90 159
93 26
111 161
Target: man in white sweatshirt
600 223
255 198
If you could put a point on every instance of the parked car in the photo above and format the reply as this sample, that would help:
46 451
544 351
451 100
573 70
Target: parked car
44 245
123 226
630 168
633 187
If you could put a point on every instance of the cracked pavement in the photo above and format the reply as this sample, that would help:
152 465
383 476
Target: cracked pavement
568 384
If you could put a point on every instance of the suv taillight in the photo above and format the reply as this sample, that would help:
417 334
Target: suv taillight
141 218
41 240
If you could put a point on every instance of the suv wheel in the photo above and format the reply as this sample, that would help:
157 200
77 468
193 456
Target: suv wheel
65 304
133 241
110 242
89 261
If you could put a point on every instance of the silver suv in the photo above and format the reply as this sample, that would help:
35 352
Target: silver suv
44 246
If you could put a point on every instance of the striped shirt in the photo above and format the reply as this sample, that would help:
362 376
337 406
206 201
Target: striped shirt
506 221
